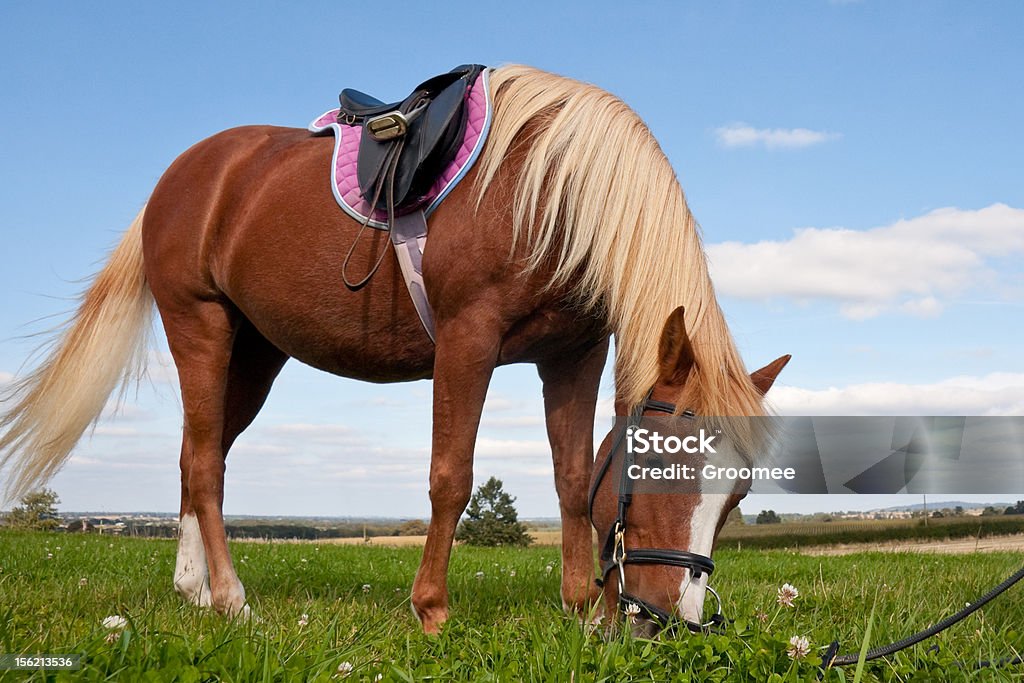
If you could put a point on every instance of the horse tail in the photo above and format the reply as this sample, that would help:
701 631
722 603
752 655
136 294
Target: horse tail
102 347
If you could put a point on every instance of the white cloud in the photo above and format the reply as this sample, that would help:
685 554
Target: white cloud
518 448
992 394
317 433
912 265
742 135
511 421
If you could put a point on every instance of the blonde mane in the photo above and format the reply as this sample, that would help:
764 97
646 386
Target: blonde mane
598 197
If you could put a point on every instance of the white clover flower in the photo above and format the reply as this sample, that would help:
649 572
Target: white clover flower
366 588
512 573
479 576
49 556
345 668
378 677
303 620
787 594
547 569
632 612
83 582
761 616
799 647
115 622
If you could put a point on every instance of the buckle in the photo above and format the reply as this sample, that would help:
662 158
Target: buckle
387 126
619 555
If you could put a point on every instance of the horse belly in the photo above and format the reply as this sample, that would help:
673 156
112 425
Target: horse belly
357 335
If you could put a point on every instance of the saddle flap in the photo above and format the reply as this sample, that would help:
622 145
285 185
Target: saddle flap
443 121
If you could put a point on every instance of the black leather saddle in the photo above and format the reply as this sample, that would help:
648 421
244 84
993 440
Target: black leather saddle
406 144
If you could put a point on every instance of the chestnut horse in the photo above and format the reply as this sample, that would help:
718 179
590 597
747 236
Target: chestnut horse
570 228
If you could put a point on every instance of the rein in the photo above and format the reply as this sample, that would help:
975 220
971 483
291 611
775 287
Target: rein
833 658
614 554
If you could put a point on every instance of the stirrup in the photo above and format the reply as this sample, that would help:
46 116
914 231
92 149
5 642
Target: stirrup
387 126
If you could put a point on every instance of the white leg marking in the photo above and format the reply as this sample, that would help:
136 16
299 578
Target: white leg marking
702 537
191 575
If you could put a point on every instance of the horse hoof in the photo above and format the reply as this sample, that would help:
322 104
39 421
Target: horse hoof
431 619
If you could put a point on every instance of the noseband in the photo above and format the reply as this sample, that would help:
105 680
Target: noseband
615 556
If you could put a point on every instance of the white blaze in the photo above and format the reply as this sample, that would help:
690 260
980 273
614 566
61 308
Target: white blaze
702 537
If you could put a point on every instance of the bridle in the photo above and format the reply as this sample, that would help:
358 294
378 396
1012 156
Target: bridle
614 554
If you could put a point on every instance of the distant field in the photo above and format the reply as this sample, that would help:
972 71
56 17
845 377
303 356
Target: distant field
507 625
805 534
797 534
547 537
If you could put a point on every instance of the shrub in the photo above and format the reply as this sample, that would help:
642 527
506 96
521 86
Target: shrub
491 519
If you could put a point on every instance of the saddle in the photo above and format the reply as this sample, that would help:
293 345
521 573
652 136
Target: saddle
407 144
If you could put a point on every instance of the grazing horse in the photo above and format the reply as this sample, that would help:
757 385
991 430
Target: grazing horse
570 228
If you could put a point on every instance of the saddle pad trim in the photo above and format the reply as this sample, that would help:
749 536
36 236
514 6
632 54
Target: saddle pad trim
346 142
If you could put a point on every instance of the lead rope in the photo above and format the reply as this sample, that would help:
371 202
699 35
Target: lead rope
831 659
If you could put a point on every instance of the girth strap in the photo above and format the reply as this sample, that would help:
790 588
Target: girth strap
409 234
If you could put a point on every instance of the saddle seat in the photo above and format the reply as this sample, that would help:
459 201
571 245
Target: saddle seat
361 104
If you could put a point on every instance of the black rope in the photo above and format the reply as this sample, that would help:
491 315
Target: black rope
832 659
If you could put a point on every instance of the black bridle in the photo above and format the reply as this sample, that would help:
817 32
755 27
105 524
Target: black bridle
614 554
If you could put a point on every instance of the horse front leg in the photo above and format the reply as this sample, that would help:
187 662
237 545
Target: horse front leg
570 400
465 356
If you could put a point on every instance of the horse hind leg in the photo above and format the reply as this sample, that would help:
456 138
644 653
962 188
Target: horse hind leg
226 370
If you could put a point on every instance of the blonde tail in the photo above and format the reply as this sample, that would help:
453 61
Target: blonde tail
102 347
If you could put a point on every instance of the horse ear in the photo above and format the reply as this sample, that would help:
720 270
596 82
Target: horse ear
764 378
675 352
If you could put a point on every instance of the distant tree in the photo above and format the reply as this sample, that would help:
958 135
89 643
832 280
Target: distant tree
38 510
958 511
414 527
491 518
1017 509
938 514
735 517
768 517
989 511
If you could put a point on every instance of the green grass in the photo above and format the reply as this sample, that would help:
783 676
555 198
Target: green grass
504 627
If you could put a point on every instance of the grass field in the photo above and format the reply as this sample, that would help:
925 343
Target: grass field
507 625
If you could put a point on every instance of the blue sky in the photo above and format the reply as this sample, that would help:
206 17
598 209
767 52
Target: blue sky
856 168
